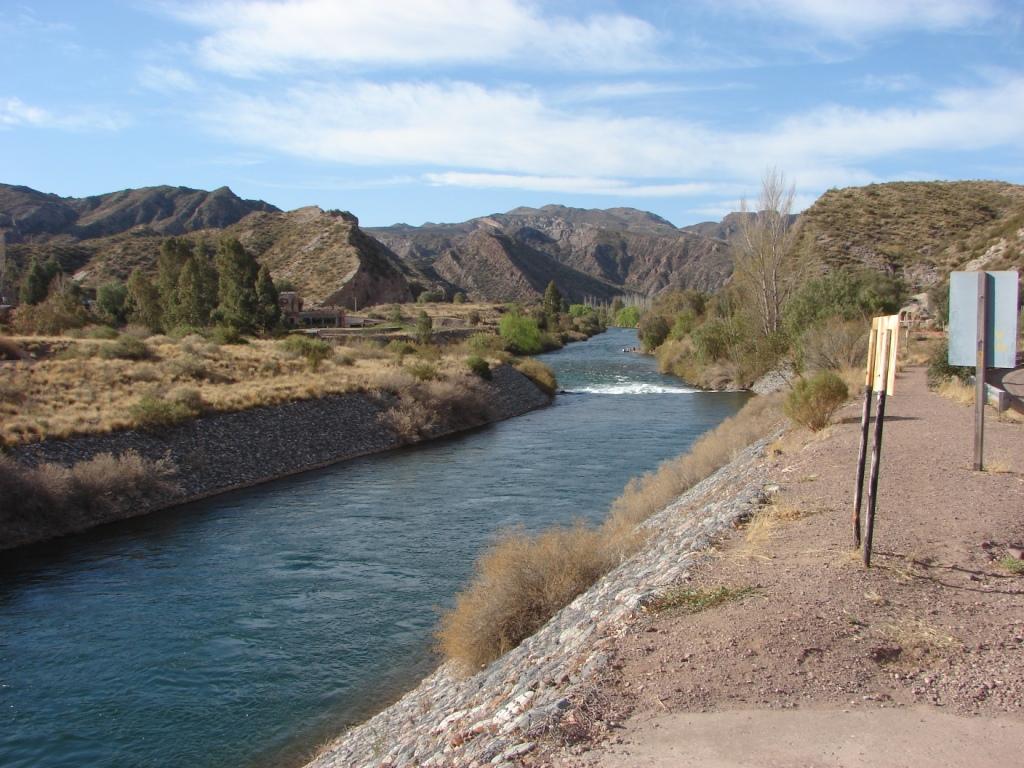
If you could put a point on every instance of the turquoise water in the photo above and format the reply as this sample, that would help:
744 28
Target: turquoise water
246 629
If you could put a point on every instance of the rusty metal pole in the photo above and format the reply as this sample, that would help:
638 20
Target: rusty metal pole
876 447
865 419
979 373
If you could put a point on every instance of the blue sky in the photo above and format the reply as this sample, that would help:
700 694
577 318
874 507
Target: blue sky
441 110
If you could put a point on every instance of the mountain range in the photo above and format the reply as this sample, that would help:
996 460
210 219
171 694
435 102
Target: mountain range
918 230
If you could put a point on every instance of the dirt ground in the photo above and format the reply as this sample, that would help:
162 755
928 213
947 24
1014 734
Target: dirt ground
819 662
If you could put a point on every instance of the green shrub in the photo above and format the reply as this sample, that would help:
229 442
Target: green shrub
154 412
459 298
479 366
484 344
424 328
430 296
99 332
627 317
520 334
683 325
315 351
851 295
812 401
226 334
652 330
423 370
400 348
126 348
715 339
940 371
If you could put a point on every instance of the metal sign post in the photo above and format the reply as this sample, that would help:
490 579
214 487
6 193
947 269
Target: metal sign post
982 334
865 419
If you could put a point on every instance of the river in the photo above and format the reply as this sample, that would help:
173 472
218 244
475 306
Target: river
246 629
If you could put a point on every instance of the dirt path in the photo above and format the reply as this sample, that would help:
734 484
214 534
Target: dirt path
936 628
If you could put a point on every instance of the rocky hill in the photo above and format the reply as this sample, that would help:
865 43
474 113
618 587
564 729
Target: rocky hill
31 216
598 253
918 230
325 254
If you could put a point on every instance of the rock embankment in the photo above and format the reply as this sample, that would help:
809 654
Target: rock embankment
224 451
541 689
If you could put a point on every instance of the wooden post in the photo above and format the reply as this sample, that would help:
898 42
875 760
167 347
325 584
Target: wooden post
876 448
979 374
865 418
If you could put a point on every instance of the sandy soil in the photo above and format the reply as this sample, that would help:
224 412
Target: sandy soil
917 661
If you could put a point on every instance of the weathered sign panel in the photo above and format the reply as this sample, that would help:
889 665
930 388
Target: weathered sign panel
878 352
1000 315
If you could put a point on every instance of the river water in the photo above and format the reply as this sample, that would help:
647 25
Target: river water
247 629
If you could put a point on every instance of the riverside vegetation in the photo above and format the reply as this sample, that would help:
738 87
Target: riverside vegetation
204 337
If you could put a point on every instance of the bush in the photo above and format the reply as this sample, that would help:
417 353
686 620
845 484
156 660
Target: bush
652 330
834 344
539 374
940 371
424 328
473 318
50 500
520 334
479 366
520 583
430 296
627 317
154 412
315 351
400 348
714 340
812 401
423 371
99 332
683 325
126 348
459 298
62 310
484 344
227 334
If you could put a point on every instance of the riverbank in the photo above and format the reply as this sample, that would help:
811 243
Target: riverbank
797 623
226 451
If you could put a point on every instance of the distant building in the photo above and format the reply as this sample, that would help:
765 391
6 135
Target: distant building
293 313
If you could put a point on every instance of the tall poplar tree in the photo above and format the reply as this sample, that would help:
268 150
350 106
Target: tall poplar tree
34 285
144 301
174 252
236 271
267 300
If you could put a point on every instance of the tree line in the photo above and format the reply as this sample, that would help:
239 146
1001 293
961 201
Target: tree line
195 286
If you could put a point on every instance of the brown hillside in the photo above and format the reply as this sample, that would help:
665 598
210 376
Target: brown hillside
919 230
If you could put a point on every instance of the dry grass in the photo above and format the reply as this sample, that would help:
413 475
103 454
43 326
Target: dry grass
86 390
654 491
539 374
522 581
957 391
519 584
690 600
760 529
53 499
917 638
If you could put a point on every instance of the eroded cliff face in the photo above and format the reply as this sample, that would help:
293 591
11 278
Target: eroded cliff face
327 257
597 253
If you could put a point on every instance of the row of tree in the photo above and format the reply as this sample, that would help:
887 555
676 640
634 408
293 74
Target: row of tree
195 286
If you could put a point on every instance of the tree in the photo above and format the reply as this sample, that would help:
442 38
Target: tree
236 272
424 328
267 300
111 300
190 308
143 305
762 252
34 284
520 334
174 252
652 330
552 304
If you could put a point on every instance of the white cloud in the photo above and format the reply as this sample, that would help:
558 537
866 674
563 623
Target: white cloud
247 38
586 185
165 79
474 130
890 83
15 113
854 18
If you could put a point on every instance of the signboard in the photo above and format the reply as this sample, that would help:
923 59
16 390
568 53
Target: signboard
877 352
1000 319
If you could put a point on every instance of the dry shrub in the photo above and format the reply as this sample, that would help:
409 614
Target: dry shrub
153 412
645 495
520 583
812 401
426 409
834 345
11 351
539 374
12 393
51 499
957 391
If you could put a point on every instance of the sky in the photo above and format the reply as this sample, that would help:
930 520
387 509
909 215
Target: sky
443 110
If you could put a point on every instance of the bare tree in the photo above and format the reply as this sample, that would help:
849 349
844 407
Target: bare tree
762 250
